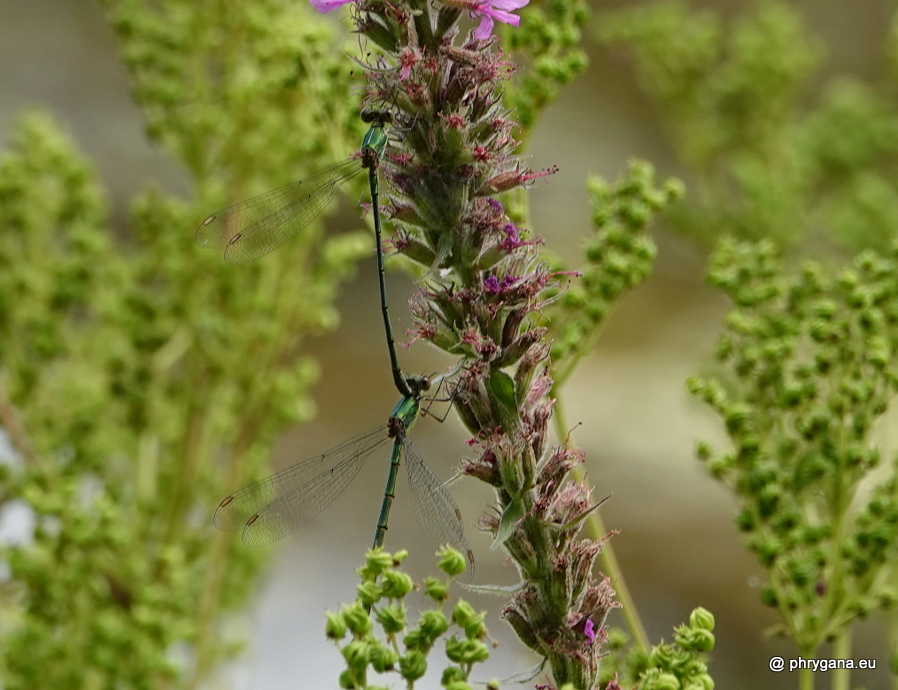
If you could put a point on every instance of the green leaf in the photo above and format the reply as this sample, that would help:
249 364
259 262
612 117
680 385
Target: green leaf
512 514
502 396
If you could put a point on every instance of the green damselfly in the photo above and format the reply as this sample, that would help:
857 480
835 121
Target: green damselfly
275 506
257 226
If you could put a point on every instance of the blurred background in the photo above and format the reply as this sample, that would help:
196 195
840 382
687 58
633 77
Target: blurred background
676 544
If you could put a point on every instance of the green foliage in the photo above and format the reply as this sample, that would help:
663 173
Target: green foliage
402 648
809 369
774 154
548 41
679 665
619 256
141 379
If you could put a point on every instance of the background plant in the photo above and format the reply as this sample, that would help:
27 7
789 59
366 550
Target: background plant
398 647
809 372
776 149
141 378
581 312
804 371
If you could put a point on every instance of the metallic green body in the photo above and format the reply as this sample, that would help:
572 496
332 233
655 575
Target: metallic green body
401 419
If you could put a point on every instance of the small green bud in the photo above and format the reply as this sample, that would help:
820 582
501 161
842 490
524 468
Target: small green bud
663 681
704 682
357 619
701 618
479 653
696 640
451 561
463 651
392 618
356 655
383 658
369 593
456 649
435 589
475 628
348 680
661 656
887 597
335 628
457 685
378 561
413 665
396 584
417 639
452 674
433 624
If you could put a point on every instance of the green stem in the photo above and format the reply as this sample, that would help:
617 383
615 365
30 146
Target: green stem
842 650
806 679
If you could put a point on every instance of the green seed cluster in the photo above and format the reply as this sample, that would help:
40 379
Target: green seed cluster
401 648
808 368
680 665
619 255
548 41
777 149
141 379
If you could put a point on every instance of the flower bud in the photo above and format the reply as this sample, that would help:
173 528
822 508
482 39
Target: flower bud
335 628
435 589
392 618
663 681
701 618
356 656
357 619
369 593
413 665
396 584
433 624
348 680
383 658
451 561
378 561
452 674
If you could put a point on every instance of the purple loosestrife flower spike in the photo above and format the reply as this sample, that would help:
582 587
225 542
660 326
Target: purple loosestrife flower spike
480 300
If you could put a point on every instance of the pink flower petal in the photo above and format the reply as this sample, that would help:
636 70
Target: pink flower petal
509 5
485 30
498 10
502 16
325 6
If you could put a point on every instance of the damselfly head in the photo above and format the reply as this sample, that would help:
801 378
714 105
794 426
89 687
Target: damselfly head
418 384
371 116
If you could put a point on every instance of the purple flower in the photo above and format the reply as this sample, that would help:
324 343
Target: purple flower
325 6
590 631
512 239
491 285
500 10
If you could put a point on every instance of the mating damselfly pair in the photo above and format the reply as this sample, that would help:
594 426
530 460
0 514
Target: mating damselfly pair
273 507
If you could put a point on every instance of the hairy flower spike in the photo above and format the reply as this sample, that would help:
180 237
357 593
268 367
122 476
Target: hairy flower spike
480 302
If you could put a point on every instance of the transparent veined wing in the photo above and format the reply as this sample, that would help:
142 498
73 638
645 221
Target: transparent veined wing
435 508
259 225
275 506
